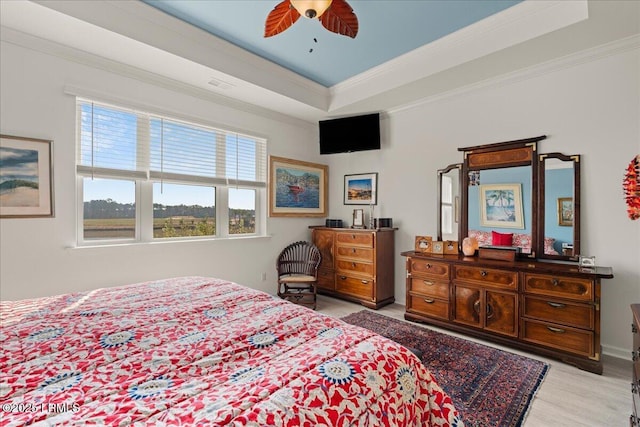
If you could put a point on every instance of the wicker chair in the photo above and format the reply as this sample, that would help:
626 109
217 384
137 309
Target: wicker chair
297 267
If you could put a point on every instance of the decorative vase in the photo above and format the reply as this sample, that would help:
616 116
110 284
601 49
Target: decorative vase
469 246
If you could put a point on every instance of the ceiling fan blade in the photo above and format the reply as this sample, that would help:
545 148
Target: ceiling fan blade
280 18
340 19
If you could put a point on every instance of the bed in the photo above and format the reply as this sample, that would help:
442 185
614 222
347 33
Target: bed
203 351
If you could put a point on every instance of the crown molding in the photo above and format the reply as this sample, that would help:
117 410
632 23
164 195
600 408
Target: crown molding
48 47
512 26
127 23
588 55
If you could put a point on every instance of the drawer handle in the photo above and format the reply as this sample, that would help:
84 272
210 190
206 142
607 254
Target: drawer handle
489 311
634 328
555 282
429 301
343 277
353 250
556 330
476 307
429 266
483 273
365 282
353 236
635 389
556 304
353 264
428 283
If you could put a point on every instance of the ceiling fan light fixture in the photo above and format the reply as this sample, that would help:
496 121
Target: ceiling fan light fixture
311 8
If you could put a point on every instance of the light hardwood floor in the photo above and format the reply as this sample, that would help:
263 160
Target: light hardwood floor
568 396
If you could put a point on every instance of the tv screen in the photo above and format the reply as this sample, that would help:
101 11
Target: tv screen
346 134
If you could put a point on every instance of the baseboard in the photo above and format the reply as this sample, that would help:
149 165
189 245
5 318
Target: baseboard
620 353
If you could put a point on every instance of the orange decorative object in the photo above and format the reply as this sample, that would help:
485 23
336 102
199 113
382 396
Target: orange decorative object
280 18
631 187
469 246
340 19
337 18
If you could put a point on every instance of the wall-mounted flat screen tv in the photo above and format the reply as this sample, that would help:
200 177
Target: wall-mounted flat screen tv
346 134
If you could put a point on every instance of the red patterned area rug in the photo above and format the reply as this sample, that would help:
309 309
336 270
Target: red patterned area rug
489 387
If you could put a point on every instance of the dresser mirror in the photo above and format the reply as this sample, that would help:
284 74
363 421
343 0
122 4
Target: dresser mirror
506 194
449 183
559 206
499 195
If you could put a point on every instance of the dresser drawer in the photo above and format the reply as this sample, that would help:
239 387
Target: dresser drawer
430 288
564 338
347 267
571 314
353 286
351 252
438 270
487 277
428 306
364 240
559 286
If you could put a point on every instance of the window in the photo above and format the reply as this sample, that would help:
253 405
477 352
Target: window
109 209
242 208
447 205
143 177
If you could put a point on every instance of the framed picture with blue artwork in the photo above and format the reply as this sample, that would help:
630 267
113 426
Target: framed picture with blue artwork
501 206
26 188
361 189
297 188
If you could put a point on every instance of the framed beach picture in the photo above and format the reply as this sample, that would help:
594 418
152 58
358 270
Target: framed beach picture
361 189
26 188
297 188
501 206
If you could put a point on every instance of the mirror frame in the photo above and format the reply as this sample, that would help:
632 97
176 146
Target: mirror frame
521 152
576 205
459 207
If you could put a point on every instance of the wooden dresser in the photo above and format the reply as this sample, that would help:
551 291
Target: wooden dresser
357 264
634 419
547 308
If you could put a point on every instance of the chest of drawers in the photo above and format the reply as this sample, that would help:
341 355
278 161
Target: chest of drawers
357 264
428 288
547 308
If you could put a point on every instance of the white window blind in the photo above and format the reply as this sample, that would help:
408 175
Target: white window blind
109 141
119 142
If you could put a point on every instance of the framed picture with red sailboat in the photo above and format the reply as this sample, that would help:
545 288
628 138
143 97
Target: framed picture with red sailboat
297 188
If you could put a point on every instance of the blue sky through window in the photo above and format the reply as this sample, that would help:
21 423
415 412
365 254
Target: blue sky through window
175 148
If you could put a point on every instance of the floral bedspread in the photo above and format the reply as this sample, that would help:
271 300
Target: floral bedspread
203 351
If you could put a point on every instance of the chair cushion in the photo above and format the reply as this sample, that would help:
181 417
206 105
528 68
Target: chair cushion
296 278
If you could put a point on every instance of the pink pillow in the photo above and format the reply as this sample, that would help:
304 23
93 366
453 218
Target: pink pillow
501 239
548 246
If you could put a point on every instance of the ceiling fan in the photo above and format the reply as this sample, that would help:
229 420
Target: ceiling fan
335 15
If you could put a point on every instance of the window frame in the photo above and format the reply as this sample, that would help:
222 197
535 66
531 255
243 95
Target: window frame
448 204
145 179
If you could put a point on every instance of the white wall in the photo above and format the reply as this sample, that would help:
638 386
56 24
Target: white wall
584 107
590 107
35 259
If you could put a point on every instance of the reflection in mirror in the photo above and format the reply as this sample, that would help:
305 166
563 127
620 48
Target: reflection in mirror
500 207
449 203
560 202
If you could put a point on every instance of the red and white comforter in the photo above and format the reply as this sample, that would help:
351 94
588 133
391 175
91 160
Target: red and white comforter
203 351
